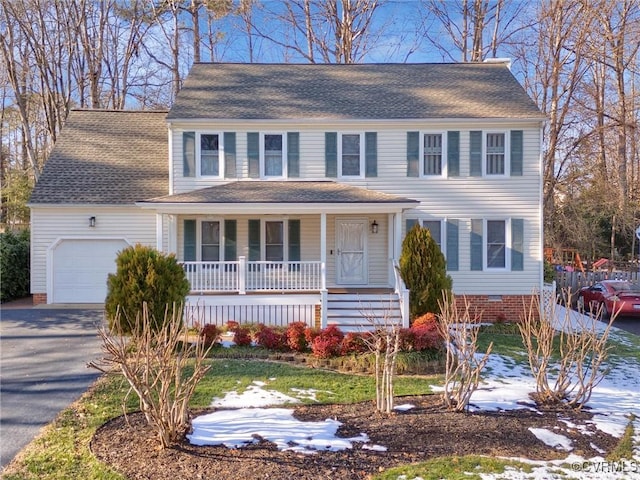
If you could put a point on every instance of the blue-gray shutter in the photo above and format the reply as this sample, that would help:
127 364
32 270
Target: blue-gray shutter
413 154
453 154
293 154
476 244
230 155
331 154
409 224
294 240
517 244
475 153
452 245
189 154
230 240
254 240
253 154
516 153
189 249
371 154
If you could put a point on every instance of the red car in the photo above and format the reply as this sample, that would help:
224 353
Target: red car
617 296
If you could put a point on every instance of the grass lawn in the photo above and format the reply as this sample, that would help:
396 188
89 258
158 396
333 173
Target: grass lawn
62 450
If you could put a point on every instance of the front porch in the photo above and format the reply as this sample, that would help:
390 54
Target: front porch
272 245
279 293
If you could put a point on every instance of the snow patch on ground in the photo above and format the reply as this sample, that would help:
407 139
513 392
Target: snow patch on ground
506 386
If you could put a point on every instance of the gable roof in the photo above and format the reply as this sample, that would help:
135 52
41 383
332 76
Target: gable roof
355 91
106 157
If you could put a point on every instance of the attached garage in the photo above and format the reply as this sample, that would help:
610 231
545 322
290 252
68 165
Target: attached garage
79 269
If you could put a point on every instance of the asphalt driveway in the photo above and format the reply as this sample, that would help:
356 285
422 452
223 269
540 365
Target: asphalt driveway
43 356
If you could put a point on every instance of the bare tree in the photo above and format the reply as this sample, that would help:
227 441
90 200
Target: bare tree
459 328
476 29
581 351
553 71
382 339
328 31
162 367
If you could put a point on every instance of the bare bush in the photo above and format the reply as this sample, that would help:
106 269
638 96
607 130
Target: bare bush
463 363
566 352
162 367
383 340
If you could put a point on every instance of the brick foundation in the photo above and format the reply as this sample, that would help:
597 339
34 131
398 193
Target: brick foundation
39 298
508 308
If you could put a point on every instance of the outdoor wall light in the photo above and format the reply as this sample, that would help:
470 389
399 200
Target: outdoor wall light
374 227
92 222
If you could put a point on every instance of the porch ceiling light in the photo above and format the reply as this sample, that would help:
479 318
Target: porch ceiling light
92 222
374 227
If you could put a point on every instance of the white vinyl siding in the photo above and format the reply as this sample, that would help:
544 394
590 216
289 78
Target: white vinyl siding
49 226
462 197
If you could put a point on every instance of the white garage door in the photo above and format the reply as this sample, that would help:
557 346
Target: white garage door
80 269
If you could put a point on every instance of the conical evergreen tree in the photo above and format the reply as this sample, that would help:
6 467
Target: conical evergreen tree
424 271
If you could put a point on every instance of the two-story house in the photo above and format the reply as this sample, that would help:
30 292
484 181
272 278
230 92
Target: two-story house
286 189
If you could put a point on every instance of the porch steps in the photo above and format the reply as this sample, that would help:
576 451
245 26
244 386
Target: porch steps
355 311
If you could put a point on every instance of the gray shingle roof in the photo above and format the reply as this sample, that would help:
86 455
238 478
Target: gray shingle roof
361 91
106 157
293 192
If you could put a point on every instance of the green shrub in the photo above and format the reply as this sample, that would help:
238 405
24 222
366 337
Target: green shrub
144 275
424 271
14 265
549 272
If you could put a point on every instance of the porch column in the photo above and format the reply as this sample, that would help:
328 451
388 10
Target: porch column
159 230
391 247
172 247
397 235
323 269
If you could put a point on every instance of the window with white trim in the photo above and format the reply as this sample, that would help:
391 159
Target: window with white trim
210 241
351 155
209 150
273 155
496 244
495 153
433 154
274 241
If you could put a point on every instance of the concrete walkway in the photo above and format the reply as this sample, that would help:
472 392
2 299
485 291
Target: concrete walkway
43 356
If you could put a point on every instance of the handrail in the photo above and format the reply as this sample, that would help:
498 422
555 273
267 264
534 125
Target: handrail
402 292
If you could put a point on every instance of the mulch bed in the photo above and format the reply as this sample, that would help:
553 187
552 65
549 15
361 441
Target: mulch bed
425 432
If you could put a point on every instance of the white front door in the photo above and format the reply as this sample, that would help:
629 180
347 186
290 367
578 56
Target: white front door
351 247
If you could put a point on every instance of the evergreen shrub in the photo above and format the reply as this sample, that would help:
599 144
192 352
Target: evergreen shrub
144 275
424 271
14 265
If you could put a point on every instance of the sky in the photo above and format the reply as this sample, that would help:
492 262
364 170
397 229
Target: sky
241 414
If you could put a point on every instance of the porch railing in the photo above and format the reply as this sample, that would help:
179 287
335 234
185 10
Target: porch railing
243 276
402 292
